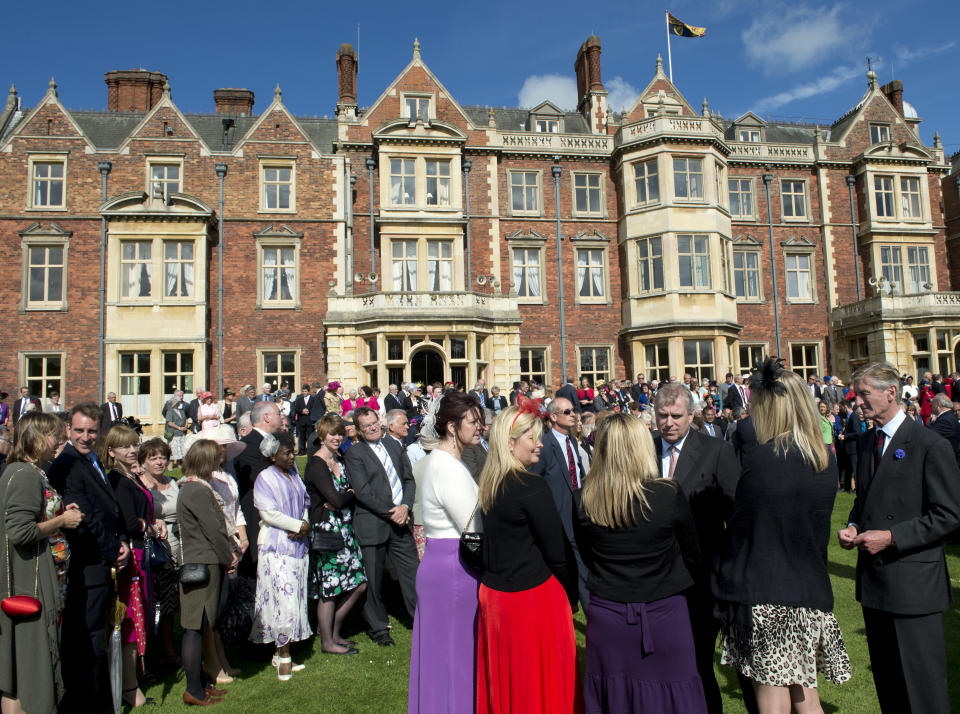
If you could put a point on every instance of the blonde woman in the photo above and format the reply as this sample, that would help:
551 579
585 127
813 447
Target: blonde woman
772 586
526 651
637 538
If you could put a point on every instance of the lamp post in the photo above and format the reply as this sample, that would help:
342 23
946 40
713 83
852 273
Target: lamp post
555 170
104 167
767 180
221 170
851 182
348 263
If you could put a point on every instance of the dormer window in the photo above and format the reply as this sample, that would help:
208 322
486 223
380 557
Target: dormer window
417 108
752 135
549 126
879 133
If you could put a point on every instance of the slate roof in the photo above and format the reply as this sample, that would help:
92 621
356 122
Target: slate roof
107 130
775 133
513 119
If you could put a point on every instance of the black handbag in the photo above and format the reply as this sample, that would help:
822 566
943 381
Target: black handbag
195 574
322 541
155 553
471 545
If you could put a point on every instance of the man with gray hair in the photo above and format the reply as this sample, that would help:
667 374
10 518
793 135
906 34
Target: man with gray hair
907 504
244 426
398 426
707 472
480 394
945 422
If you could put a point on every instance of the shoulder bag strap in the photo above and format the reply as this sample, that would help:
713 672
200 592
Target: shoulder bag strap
6 551
470 519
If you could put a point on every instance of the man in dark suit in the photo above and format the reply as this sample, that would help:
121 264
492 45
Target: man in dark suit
737 395
569 392
190 410
480 394
475 455
111 413
707 471
813 386
392 400
937 384
22 405
620 397
563 471
265 419
383 481
832 393
850 439
304 423
711 427
636 390
945 422
908 502
96 545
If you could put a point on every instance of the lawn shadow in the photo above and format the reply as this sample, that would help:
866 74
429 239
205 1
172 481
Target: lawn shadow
841 570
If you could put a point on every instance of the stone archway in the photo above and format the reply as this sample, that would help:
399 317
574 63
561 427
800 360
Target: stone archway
426 366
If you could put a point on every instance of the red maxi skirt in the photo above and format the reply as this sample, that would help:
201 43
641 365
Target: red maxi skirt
527 652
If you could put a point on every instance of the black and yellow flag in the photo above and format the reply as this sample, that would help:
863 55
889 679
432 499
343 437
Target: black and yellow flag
682 29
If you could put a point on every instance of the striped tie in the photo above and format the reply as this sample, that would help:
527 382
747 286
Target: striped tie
395 489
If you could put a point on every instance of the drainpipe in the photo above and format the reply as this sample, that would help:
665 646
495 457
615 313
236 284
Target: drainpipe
221 170
371 164
851 181
556 170
767 180
104 167
348 263
467 165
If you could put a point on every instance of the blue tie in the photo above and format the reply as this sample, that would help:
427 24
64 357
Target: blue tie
92 458
395 489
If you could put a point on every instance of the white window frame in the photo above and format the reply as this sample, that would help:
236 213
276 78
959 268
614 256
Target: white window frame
419 98
278 243
278 164
46 241
592 374
180 375
884 197
642 177
890 260
649 261
746 270
404 259
544 125
696 368
751 348
687 173
181 262
694 257
439 178
526 356
132 401
25 377
748 135
750 198
262 374
805 369
528 248
138 259
525 187
46 158
403 163
919 272
605 273
660 369
879 133
153 162
805 218
811 271
906 213
440 259
587 177
420 258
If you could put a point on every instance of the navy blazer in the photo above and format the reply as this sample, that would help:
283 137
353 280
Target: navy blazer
569 392
915 494
368 477
95 543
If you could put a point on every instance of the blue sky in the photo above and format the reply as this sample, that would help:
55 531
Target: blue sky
797 61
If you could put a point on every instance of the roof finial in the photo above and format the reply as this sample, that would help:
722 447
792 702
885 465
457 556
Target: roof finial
166 88
491 122
13 88
936 140
53 87
277 93
659 64
416 48
706 108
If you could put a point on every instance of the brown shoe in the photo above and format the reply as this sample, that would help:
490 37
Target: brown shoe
207 701
214 692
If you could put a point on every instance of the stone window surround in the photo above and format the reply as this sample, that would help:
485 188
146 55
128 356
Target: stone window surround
46 157
35 235
284 237
277 162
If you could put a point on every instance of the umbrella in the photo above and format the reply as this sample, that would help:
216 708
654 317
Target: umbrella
114 655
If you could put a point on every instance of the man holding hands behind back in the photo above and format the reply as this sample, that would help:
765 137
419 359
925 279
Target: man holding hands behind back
908 502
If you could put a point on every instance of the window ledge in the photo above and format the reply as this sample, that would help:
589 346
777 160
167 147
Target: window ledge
50 209
60 307
281 306
794 219
277 210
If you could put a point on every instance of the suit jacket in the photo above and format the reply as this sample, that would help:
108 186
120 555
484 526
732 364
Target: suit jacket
18 405
851 433
568 391
318 408
708 472
393 401
474 457
95 543
555 469
817 394
406 401
244 404
915 494
299 404
733 398
476 397
248 464
718 430
107 422
498 404
832 395
371 517
947 426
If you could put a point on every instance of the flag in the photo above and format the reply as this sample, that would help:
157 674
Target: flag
682 29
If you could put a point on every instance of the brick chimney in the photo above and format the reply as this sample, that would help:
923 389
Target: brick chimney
133 90
233 101
346 82
593 63
580 67
592 97
894 92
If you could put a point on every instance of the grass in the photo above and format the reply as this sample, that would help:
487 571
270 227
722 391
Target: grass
375 681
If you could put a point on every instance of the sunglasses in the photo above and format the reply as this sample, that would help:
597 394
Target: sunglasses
566 412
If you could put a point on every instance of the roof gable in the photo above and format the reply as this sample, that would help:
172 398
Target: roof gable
49 118
547 108
662 93
164 121
874 107
276 124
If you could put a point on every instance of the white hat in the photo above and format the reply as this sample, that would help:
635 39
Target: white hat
224 435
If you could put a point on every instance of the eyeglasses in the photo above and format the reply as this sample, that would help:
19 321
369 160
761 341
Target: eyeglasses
566 412
371 427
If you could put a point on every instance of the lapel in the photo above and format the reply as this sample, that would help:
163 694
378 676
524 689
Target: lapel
888 467
561 454
92 473
374 460
688 456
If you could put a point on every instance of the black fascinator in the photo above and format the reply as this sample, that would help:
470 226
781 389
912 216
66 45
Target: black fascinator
766 376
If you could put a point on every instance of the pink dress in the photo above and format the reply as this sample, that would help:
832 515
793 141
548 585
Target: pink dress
205 411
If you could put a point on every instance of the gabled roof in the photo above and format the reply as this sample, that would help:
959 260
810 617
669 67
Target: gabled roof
516 119
107 130
660 82
165 102
49 99
547 108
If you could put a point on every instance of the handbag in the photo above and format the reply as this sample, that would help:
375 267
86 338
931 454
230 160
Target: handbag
322 541
19 606
155 553
471 544
193 574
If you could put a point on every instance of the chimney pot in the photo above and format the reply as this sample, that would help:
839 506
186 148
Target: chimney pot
233 101
133 90
894 92
347 75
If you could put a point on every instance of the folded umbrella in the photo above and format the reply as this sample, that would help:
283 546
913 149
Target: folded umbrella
114 651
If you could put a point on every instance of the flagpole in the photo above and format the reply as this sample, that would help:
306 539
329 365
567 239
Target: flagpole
669 53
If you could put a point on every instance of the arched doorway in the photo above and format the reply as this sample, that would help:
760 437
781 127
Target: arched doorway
426 366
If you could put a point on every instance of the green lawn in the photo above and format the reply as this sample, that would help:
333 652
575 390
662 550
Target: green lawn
375 681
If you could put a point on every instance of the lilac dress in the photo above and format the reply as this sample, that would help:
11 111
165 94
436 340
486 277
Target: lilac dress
280 607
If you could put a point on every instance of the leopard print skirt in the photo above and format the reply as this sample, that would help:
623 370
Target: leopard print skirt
778 645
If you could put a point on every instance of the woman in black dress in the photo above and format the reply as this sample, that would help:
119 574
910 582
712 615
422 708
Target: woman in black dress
336 577
772 585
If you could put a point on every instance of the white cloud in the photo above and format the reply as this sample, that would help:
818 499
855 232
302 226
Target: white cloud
557 88
795 38
904 55
821 85
621 94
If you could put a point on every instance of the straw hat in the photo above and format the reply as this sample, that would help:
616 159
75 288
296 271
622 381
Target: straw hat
223 434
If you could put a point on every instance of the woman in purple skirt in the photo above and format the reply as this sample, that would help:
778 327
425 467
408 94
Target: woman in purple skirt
637 538
443 652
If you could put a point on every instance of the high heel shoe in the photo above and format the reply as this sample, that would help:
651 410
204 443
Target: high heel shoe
280 662
192 701
275 662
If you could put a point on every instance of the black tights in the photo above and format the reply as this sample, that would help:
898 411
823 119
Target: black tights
191 654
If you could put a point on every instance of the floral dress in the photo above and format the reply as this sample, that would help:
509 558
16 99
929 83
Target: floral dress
59 548
332 574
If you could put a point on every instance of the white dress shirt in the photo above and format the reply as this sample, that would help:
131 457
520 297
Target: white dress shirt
574 447
890 428
665 458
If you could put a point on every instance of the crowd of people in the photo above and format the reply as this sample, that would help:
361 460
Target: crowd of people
683 518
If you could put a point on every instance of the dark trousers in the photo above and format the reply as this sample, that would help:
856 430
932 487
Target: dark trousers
847 462
304 429
909 661
84 645
401 552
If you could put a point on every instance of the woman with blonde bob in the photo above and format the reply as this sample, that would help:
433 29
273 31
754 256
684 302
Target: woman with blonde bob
637 538
526 651
772 584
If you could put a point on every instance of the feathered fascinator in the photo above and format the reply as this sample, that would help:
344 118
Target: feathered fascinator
429 438
766 376
527 405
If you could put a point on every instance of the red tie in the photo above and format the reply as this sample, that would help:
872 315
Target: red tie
572 465
878 450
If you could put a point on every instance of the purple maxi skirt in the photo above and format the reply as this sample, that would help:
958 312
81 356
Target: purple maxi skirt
640 658
443 654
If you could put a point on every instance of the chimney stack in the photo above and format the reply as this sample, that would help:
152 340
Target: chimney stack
894 92
592 97
593 63
346 82
233 101
581 69
133 90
